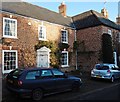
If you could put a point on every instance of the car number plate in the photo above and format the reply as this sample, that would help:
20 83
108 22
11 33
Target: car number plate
98 76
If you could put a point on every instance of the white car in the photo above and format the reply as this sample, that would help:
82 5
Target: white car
106 71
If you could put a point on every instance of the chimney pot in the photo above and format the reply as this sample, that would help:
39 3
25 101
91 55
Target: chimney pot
62 9
118 20
104 12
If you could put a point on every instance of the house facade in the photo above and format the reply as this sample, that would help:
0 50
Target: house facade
42 39
32 36
98 39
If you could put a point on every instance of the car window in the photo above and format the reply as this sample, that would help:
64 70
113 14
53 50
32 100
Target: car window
46 73
102 67
33 74
57 72
16 73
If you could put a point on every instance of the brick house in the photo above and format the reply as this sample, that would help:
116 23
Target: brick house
32 36
91 27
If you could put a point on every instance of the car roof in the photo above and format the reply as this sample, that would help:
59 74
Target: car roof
36 68
105 64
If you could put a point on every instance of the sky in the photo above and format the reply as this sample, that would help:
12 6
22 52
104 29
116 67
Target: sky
75 7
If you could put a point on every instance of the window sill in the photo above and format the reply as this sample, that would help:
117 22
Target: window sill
64 65
65 42
42 39
10 37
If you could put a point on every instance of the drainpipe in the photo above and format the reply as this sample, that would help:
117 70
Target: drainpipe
75 39
76 51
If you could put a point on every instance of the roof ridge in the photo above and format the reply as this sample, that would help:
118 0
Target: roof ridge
37 12
45 8
39 6
28 3
101 16
82 13
94 14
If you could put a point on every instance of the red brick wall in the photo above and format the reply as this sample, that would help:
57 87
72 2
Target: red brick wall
27 38
89 50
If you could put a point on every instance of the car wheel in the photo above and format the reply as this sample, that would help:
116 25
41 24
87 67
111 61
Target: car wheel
112 79
75 86
37 94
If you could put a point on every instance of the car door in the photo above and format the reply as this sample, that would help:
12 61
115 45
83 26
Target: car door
47 80
31 79
39 79
62 81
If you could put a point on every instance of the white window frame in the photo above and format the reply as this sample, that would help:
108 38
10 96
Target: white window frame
115 57
7 36
110 32
67 59
119 37
7 71
44 32
66 36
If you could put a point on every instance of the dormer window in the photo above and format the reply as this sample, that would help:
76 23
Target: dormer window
42 32
9 28
64 36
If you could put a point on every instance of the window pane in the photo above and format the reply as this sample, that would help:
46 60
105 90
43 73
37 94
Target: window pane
64 58
42 32
10 27
9 60
46 73
64 36
32 74
56 72
17 73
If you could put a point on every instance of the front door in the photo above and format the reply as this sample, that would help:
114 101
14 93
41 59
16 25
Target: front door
43 56
43 60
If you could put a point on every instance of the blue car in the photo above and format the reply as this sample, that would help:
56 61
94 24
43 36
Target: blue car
37 82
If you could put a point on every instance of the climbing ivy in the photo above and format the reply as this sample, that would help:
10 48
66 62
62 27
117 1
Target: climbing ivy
63 46
107 49
75 45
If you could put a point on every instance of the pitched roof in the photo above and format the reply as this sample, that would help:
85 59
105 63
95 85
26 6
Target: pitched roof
87 19
33 11
92 18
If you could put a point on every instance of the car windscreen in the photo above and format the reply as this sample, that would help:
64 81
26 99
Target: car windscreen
102 67
16 73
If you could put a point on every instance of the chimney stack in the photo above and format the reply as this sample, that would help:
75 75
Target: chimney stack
118 18
62 9
104 12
